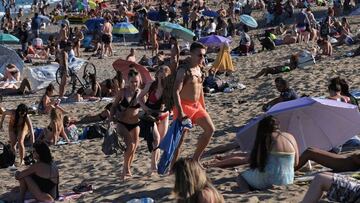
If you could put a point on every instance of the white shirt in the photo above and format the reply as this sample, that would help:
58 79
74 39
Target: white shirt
212 28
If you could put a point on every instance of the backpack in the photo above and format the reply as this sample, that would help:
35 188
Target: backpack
112 143
7 158
96 131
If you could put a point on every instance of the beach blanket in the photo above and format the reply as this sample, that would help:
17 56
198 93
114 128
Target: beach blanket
169 145
41 76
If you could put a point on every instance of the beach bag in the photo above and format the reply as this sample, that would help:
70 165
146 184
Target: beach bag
306 59
7 158
112 143
96 131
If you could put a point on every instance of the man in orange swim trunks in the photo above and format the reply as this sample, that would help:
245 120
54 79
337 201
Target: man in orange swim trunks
189 98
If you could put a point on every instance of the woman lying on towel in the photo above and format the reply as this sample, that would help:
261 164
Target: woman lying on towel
25 88
41 179
11 77
294 61
102 116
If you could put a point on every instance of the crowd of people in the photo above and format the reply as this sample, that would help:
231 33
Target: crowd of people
144 110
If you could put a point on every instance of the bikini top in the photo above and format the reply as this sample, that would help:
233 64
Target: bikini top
153 102
124 104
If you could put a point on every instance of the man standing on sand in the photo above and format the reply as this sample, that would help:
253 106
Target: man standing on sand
63 36
63 66
106 38
189 98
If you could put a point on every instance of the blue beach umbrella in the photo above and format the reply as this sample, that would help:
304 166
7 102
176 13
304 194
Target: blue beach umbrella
94 23
248 20
210 13
153 15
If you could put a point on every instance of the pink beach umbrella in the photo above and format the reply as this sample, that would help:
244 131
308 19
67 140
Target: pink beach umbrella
320 123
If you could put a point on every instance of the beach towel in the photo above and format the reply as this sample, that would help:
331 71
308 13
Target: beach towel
223 61
306 59
41 76
169 145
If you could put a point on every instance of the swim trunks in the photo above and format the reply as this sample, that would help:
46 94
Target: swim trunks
192 109
344 189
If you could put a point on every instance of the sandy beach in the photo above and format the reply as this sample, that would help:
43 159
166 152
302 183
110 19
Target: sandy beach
85 162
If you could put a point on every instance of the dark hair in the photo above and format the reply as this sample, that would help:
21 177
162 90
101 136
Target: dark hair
80 91
259 153
173 38
92 78
49 88
343 84
282 81
43 151
132 72
109 84
21 108
334 87
197 45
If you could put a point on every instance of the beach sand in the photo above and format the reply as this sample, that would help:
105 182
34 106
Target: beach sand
85 162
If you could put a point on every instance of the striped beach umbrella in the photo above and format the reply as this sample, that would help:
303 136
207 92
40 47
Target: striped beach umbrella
125 28
7 38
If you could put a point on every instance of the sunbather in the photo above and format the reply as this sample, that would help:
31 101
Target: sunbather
337 162
339 188
102 116
335 93
41 179
46 103
55 129
272 159
286 93
294 61
25 88
192 185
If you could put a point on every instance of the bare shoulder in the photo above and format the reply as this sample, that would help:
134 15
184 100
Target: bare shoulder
289 136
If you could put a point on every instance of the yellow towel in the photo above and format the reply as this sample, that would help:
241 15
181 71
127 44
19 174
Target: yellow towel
223 62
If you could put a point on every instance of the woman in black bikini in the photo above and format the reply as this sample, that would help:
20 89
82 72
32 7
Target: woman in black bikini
124 112
154 106
40 179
